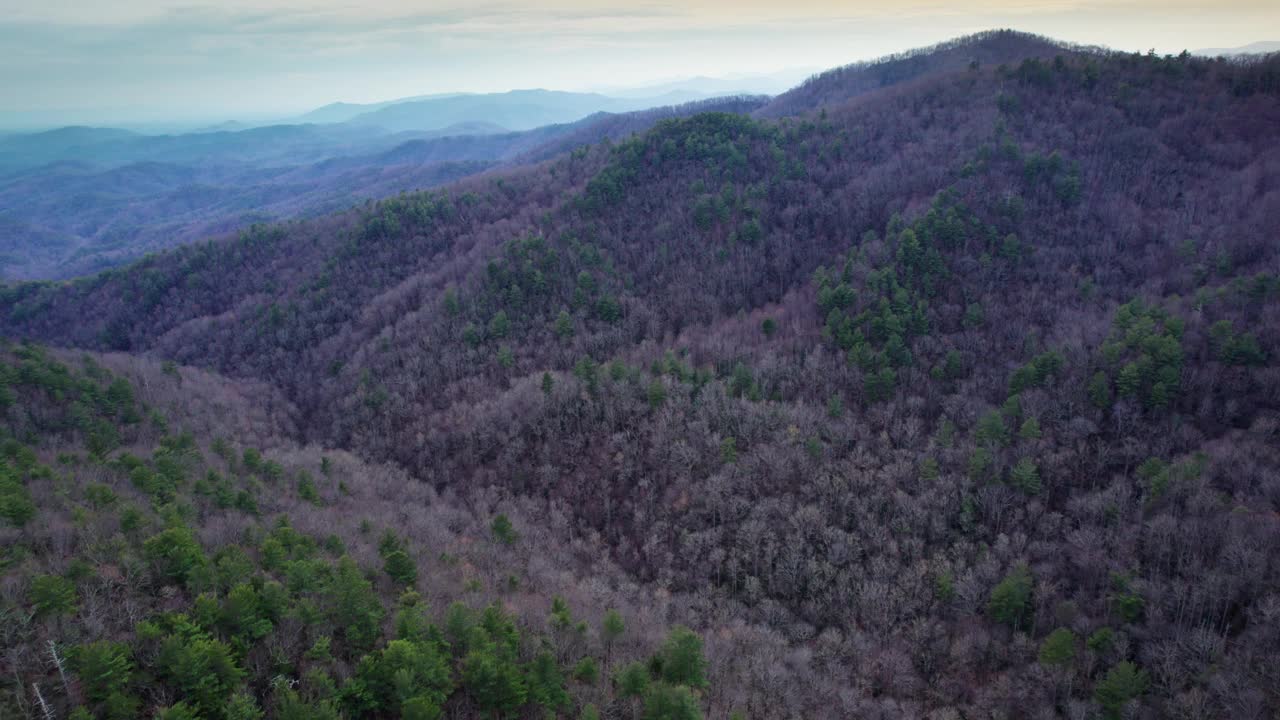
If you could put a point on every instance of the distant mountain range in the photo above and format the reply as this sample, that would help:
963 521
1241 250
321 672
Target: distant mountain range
80 199
514 110
703 86
272 144
340 112
1257 48
77 199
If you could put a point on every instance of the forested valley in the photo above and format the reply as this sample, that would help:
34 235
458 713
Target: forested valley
942 386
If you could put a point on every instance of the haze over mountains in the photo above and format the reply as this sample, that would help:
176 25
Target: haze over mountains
77 199
1257 48
941 386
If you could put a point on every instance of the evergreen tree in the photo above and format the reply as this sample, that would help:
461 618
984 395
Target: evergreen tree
681 659
1099 390
546 682
1026 477
400 567
991 430
506 359
499 325
1010 601
1030 430
493 680
503 531
354 607
657 394
1058 649
667 702
52 595
203 670
174 554
586 671
104 667
402 671
632 680
564 325
242 614
611 628
1124 682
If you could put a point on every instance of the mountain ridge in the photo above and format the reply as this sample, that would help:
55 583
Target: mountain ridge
111 227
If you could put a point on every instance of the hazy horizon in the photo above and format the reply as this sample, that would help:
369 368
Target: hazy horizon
156 61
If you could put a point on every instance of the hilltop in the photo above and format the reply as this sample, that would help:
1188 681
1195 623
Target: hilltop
972 52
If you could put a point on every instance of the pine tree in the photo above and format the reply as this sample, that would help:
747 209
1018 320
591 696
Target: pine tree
666 702
1099 390
354 607
1124 682
1026 477
546 682
503 531
632 680
564 325
657 394
1030 430
681 658
1010 601
991 430
1058 649
612 628
174 554
52 595
499 325
493 680
400 567
104 667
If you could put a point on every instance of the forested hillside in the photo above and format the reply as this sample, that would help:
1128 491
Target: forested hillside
152 570
961 389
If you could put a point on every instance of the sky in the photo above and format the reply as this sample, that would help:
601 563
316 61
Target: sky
102 62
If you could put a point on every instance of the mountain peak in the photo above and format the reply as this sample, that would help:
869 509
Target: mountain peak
992 47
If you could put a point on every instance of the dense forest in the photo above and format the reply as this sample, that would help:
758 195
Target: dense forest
209 578
939 387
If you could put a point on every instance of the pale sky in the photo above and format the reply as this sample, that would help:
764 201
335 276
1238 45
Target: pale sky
136 60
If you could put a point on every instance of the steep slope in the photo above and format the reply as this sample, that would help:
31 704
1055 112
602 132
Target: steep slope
967 387
153 570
